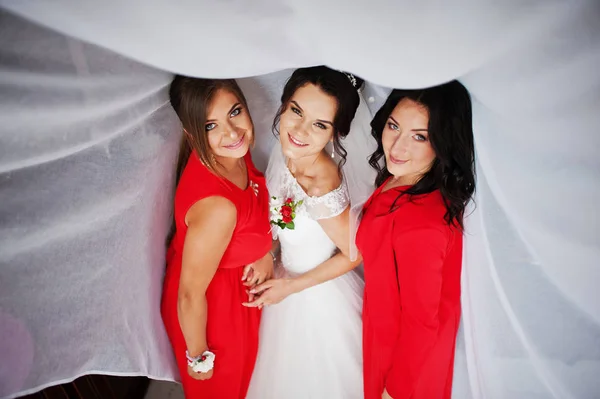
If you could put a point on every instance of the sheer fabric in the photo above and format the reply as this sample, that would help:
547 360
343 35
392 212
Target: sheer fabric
88 144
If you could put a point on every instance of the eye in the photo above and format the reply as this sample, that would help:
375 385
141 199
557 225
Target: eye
210 126
392 126
236 112
296 111
420 137
321 126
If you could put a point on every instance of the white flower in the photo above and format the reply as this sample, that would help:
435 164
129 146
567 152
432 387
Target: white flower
276 202
203 366
275 205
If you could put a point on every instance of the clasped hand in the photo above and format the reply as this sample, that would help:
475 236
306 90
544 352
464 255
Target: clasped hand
270 292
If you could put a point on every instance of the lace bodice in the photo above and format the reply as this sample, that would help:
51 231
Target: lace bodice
307 245
326 206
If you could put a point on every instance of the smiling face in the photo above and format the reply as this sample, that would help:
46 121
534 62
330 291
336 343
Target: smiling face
405 139
228 126
306 125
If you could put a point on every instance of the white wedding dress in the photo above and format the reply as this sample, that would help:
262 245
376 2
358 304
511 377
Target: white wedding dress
311 342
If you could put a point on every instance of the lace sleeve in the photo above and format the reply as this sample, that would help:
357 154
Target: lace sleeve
329 205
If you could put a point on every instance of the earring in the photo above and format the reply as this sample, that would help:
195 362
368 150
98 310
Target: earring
332 151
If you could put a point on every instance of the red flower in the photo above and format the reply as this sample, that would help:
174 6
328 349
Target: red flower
286 211
288 201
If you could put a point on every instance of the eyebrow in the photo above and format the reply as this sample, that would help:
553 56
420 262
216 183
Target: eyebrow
297 105
412 130
230 111
319 120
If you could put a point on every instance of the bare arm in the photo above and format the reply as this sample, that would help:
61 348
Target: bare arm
338 229
211 222
275 247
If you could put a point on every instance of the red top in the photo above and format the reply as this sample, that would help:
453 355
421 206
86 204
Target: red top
412 263
251 238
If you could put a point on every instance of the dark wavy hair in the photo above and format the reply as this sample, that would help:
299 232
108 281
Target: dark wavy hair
450 131
334 83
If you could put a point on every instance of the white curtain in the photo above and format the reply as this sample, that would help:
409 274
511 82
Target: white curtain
88 143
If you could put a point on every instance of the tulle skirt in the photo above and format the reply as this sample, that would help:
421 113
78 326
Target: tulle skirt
311 344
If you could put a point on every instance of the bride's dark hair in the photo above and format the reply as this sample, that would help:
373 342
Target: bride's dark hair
341 86
451 135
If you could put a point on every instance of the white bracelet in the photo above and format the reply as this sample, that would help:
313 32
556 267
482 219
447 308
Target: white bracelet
203 363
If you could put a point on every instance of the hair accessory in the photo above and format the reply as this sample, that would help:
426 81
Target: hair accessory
352 79
357 83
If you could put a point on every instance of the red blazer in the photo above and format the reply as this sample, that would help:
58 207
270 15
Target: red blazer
412 262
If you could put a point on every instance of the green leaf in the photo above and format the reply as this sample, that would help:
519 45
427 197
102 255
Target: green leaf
290 225
274 198
299 202
281 224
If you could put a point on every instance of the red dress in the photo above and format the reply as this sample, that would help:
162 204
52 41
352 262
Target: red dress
232 329
411 308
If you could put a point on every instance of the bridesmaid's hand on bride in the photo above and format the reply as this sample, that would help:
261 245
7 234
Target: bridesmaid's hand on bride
259 271
271 292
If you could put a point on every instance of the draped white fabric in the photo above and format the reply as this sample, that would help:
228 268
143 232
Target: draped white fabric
88 144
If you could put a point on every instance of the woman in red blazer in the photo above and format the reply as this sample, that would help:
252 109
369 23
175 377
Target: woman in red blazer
410 238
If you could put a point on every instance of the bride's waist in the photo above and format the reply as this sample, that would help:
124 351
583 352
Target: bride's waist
306 259
351 277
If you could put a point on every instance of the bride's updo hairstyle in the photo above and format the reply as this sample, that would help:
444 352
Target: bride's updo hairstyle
339 85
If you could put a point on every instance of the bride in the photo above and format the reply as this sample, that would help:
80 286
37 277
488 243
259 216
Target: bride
311 329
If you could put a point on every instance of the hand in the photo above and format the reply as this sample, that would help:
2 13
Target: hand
386 395
200 376
271 292
258 272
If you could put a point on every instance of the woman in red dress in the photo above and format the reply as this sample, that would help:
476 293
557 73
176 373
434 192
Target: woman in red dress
221 238
410 238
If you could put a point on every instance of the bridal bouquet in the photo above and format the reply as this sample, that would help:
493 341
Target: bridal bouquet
284 212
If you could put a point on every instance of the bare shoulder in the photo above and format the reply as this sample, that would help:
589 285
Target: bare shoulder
326 180
209 209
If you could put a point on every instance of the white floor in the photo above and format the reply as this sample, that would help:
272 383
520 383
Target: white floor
164 390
